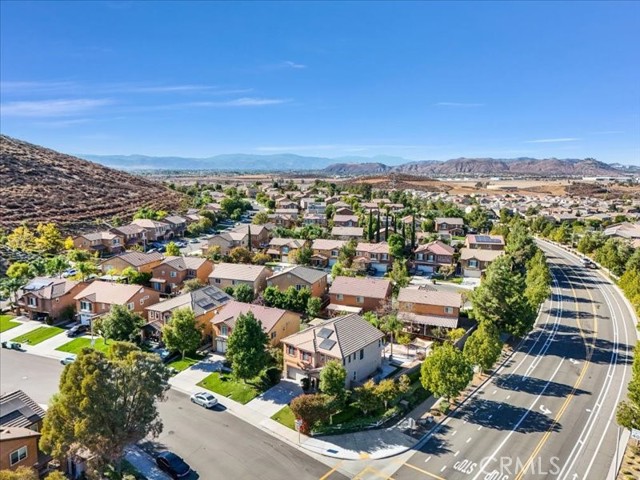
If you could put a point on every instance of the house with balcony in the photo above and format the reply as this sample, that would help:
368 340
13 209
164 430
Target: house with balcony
475 261
102 243
484 242
348 339
168 276
325 252
449 226
139 261
280 248
430 257
154 229
276 323
98 297
300 277
424 308
233 274
203 302
358 294
373 256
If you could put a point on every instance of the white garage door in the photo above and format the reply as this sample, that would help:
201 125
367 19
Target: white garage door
221 345
296 374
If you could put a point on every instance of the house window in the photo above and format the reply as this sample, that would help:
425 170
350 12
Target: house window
349 358
224 330
85 306
291 350
142 301
306 357
18 455
173 274
340 296
355 375
361 353
473 263
430 257
299 287
33 301
216 280
448 309
420 256
334 253
233 282
385 256
359 299
273 335
131 306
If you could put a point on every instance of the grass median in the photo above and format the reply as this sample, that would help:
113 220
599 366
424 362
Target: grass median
77 344
38 335
7 323
229 387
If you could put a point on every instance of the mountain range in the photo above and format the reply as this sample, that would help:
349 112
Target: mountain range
355 165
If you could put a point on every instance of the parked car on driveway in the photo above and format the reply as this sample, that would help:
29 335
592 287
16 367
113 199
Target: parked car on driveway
68 360
171 463
12 345
77 330
204 399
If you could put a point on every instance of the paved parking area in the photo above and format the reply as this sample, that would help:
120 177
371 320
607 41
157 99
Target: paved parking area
275 398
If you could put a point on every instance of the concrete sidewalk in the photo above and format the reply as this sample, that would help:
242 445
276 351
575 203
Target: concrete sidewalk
48 347
25 326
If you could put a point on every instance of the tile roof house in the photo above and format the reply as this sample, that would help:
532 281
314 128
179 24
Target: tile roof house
177 224
345 220
168 277
132 234
475 261
141 262
627 230
325 252
349 339
429 257
99 242
373 255
228 240
280 248
276 323
485 242
17 409
300 277
356 294
259 234
423 308
49 297
232 274
453 226
98 297
154 230
347 233
203 302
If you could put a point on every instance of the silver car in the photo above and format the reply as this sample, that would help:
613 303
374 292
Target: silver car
68 360
204 399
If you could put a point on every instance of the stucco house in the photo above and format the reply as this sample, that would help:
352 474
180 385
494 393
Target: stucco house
425 307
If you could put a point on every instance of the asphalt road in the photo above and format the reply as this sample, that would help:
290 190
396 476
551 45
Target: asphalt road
550 413
215 443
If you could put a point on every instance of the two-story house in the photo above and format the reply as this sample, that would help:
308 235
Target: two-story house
349 339
484 242
103 243
276 323
347 233
132 235
233 274
139 261
168 276
48 297
203 302
280 248
357 294
177 225
315 219
325 252
449 226
374 256
259 234
421 309
300 277
474 261
429 257
282 220
345 220
227 241
154 229
98 298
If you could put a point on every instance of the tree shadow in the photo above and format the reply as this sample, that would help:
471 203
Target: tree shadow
535 385
504 416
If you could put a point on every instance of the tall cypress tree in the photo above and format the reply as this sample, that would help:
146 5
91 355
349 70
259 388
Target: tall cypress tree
378 228
386 227
249 233
370 233
395 224
413 232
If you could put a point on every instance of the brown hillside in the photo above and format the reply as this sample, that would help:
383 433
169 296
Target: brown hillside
42 185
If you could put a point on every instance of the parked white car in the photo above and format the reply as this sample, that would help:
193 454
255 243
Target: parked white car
204 399
68 360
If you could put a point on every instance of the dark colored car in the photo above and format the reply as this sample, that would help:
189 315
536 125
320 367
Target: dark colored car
77 330
173 465
12 345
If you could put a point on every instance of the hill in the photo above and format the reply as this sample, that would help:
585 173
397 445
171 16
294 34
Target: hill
42 185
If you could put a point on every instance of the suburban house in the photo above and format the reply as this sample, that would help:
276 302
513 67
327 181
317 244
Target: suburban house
202 302
276 323
300 277
101 242
177 224
423 308
349 339
282 220
98 298
292 212
625 230
315 219
169 275
373 255
259 234
485 242
429 257
347 233
325 252
452 226
154 230
20 424
343 208
229 240
139 261
49 297
345 220
285 203
233 274
280 248
474 261
357 294
132 234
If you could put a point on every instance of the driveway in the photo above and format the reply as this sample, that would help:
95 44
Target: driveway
275 398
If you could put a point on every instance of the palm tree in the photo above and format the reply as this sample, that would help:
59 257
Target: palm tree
10 287
57 265
85 269
392 327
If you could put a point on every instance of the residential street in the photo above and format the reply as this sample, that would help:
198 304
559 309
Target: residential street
215 443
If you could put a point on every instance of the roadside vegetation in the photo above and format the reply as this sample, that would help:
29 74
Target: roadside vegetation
7 323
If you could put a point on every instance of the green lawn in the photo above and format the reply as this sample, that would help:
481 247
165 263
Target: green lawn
188 361
285 417
77 344
7 323
227 386
38 335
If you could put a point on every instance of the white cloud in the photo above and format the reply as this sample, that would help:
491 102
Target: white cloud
553 140
289 63
52 108
459 104
240 102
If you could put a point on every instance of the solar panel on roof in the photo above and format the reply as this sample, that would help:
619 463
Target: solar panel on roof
325 333
327 344
204 303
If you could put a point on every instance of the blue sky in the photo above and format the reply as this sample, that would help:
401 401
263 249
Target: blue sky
421 80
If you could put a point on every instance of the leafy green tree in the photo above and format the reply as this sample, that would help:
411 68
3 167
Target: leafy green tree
387 391
332 379
455 334
85 270
56 265
246 347
105 403
396 245
303 256
75 255
182 334
628 413
478 219
122 324
240 255
19 270
614 255
310 409
590 242
399 274
347 253
243 293
537 280
172 250
367 398
20 473
392 327
446 372
314 305
483 347
260 258
260 218
520 245
428 225
134 277
191 285
372 318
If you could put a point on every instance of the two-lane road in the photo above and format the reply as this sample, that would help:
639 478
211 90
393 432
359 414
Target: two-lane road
550 412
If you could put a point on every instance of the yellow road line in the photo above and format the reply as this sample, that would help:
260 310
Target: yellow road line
330 472
589 352
429 474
